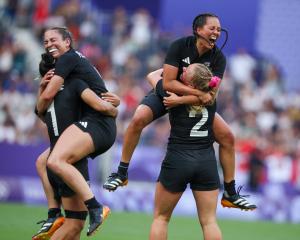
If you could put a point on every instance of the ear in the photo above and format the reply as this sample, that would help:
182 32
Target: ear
68 40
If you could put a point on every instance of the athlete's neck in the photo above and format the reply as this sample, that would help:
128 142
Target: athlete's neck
201 47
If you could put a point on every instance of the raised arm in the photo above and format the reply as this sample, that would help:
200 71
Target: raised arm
154 77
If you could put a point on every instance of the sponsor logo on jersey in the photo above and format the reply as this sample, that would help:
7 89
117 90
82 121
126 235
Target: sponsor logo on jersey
84 124
186 60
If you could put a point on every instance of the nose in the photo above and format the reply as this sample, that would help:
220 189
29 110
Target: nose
47 44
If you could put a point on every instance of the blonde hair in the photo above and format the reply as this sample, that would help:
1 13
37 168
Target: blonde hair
200 79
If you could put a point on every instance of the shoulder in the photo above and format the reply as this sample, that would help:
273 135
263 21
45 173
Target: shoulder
220 54
185 41
68 57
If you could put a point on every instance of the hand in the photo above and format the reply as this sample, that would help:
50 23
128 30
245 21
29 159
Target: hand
172 100
205 98
46 79
111 98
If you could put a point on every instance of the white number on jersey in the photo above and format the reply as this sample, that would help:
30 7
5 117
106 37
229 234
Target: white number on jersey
195 131
51 109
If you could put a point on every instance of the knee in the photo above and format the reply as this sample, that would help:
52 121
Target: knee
162 218
41 164
54 165
73 229
77 227
204 221
138 122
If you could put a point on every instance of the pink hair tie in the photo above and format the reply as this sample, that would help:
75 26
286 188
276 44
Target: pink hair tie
214 82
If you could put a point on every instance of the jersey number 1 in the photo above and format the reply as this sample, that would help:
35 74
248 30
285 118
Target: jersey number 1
51 110
195 131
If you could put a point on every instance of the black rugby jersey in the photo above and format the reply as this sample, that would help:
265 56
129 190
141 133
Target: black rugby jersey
64 109
183 52
189 129
73 64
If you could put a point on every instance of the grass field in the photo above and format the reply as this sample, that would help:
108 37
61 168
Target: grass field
17 222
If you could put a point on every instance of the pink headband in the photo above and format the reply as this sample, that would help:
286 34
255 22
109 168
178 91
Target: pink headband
214 82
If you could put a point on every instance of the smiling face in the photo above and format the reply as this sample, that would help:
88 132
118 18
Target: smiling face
55 44
211 31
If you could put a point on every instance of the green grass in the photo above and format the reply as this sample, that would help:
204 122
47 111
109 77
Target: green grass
17 222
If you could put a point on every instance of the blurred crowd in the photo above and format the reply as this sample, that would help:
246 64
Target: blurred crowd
124 47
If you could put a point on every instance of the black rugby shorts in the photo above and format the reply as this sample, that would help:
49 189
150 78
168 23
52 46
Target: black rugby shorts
103 133
185 166
154 102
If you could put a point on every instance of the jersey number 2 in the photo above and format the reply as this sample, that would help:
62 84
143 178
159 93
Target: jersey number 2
195 131
51 110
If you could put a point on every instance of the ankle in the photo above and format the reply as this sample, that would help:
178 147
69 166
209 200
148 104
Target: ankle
54 212
230 187
92 203
123 168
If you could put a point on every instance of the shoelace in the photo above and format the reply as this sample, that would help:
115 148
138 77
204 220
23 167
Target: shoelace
114 175
238 192
41 221
117 175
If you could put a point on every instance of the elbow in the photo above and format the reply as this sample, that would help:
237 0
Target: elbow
103 108
113 112
110 111
148 77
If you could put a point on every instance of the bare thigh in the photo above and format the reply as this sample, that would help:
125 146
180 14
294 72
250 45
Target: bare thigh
206 202
165 201
73 145
221 130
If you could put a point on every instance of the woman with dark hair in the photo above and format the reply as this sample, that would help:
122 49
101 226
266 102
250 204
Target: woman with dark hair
190 158
95 132
199 48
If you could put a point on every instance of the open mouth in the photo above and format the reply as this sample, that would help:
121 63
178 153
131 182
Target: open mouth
52 50
212 40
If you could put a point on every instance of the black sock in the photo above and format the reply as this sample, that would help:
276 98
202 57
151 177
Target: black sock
92 203
230 187
123 168
53 212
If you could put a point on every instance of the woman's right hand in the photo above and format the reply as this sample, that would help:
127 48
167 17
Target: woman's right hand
112 98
